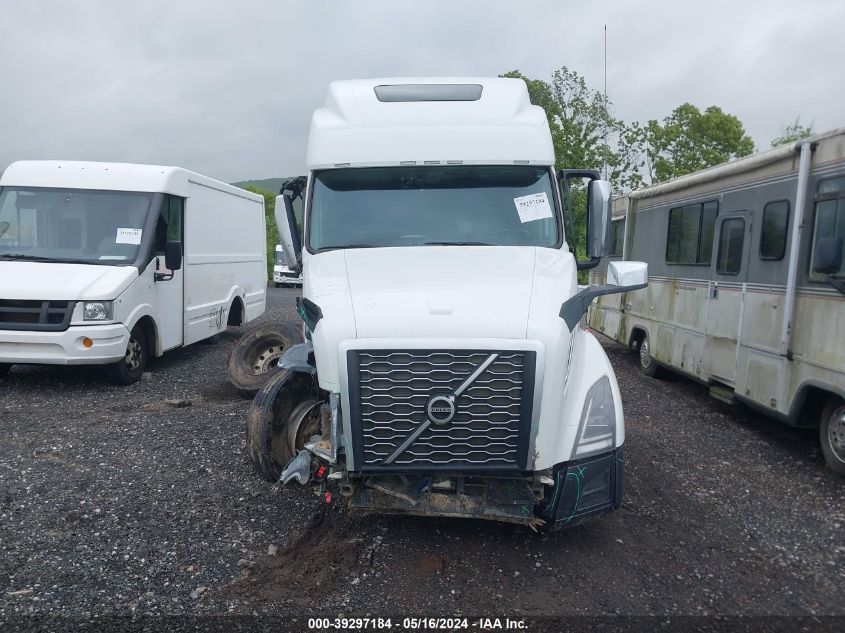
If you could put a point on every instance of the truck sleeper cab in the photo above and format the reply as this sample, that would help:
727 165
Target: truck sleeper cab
445 371
110 264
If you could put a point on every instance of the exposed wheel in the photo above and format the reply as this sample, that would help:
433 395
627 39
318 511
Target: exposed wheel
256 355
648 365
268 425
832 435
128 370
4 369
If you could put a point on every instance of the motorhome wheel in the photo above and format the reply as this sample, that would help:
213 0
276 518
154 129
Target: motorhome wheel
648 366
255 357
832 435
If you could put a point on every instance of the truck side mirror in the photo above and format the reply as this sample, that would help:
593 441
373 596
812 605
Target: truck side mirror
599 200
173 255
827 258
289 238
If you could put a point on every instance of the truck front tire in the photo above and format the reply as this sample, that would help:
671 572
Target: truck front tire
268 431
130 368
255 357
832 435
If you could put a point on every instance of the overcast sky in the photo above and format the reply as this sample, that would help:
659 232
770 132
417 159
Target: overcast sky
227 88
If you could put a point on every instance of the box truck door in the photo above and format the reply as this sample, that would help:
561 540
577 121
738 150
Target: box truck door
726 303
170 283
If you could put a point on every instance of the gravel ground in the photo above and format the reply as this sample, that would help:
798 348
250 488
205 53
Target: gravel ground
115 501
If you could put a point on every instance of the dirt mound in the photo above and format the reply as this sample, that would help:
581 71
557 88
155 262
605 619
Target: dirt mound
327 552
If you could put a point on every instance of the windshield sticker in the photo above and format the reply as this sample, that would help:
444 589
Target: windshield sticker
533 207
128 236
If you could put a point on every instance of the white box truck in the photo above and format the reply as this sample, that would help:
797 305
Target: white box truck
444 371
109 264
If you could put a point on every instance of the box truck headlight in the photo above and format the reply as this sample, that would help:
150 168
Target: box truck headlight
97 311
597 429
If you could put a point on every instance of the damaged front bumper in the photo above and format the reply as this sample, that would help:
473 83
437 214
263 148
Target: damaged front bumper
571 494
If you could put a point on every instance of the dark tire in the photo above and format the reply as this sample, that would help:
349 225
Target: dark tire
268 421
648 365
4 369
832 435
129 369
278 284
255 357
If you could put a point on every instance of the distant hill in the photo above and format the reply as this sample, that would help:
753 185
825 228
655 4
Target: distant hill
268 184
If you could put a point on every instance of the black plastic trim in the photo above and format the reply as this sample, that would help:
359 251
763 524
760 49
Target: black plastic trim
574 308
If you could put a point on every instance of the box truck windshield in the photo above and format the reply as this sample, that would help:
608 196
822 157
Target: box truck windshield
72 225
500 205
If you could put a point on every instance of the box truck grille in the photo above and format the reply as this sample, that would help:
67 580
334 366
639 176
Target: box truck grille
393 428
35 315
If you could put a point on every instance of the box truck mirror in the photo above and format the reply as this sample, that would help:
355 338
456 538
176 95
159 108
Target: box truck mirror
173 255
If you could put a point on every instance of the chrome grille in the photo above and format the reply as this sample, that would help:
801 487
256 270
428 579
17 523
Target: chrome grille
490 426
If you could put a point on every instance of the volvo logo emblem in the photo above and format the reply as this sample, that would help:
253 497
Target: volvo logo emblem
441 409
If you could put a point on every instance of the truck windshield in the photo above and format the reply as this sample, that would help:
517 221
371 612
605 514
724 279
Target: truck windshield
502 205
280 258
72 225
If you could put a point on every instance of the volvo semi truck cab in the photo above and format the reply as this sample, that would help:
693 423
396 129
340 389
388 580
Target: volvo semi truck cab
444 369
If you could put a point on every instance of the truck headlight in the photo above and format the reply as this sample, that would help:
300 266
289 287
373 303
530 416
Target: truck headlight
97 310
597 429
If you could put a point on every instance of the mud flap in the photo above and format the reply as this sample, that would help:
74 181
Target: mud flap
585 489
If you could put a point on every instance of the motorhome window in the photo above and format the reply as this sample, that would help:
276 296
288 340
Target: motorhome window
731 240
421 206
690 235
829 219
773 230
617 237
72 225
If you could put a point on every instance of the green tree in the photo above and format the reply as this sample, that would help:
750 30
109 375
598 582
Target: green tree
793 133
689 140
270 221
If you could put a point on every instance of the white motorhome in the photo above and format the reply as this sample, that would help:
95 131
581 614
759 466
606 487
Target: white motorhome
747 292
284 273
445 370
109 264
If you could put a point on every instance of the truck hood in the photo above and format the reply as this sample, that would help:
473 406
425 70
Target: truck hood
441 291
45 281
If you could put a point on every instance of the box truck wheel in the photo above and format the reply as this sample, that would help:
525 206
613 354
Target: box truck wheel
286 398
832 435
255 357
648 366
128 370
4 369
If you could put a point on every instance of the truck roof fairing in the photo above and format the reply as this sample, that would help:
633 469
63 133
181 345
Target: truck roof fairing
431 120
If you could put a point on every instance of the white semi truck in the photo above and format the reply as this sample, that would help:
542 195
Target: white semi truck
113 263
444 369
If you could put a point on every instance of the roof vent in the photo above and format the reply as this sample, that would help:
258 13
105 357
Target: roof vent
428 92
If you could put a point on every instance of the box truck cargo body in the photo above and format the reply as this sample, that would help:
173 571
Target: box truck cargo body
109 264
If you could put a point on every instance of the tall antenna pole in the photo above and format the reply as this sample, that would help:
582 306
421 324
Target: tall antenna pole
605 101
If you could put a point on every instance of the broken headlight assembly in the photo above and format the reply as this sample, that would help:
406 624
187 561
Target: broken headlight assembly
597 428
97 310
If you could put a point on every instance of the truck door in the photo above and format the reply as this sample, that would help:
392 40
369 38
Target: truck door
726 302
170 284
